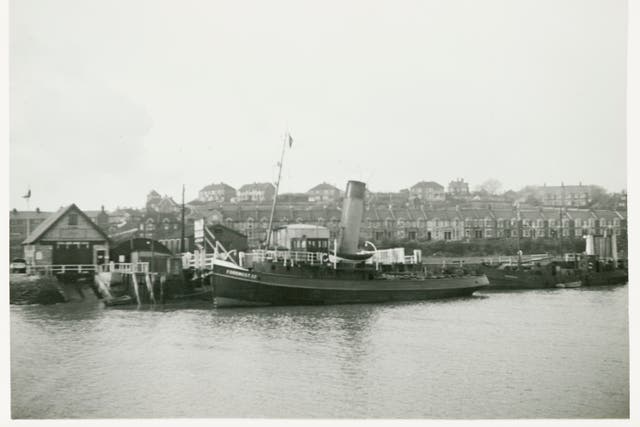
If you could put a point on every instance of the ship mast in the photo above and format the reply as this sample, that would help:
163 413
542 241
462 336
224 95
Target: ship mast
287 137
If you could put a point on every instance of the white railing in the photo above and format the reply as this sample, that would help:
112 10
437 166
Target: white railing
391 256
124 267
493 260
410 259
138 267
261 255
61 268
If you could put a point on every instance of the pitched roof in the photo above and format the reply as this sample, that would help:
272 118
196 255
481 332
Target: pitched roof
428 184
45 225
324 186
221 186
558 189
16 214
257 186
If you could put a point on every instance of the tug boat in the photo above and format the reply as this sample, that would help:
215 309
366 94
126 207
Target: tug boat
301 269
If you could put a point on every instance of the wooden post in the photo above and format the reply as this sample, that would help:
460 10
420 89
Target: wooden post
162 280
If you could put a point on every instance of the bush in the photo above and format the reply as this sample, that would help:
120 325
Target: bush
487 247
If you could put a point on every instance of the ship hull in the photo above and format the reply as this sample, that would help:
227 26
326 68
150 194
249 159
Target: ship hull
237 287
605 278
514 280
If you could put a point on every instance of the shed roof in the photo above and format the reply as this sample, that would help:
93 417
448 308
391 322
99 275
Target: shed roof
45 225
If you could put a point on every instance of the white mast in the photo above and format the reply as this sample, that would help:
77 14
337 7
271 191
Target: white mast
287 137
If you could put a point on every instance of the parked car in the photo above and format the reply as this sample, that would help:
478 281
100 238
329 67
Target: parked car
18 265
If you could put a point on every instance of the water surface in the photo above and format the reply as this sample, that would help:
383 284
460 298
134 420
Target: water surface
535 354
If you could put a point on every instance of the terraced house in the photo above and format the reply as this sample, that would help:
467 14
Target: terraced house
256 192
427 191
324 192
565 195
388 223
217 193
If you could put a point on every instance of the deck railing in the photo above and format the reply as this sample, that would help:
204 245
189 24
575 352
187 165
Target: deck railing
492 260
284 257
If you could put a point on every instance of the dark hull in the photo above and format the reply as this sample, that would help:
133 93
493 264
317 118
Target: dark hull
604 278
278 289
501 279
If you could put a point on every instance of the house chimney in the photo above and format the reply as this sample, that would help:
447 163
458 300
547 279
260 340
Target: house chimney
37 210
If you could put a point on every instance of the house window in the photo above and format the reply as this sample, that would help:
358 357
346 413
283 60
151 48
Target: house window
73 219
447 235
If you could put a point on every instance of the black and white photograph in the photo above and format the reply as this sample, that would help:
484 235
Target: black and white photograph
319 211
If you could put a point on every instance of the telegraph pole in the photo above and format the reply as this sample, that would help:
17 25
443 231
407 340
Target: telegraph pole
182 222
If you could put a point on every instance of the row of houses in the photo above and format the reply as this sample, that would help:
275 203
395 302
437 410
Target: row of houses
379 224
424 191
262 192
402 224
321 193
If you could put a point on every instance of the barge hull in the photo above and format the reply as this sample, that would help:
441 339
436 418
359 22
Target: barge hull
514 280
236 291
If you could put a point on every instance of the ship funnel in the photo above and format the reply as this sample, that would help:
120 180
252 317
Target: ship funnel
352 211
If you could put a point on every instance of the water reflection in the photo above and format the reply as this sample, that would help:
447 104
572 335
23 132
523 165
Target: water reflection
509 354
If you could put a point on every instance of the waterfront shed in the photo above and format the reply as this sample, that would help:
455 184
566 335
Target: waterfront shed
139 249
67 237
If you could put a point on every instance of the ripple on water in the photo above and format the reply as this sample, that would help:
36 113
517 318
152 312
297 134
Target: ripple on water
537 354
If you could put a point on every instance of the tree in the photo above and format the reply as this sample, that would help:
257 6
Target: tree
510 195
532 200
491 186
600 199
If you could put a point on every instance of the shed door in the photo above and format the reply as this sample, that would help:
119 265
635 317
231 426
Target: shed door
72 253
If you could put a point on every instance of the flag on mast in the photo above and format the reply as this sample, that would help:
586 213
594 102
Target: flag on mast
290 140
28 195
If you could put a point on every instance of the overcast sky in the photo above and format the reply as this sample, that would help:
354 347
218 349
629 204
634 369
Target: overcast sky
110 99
